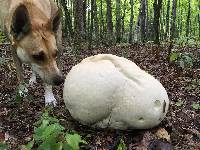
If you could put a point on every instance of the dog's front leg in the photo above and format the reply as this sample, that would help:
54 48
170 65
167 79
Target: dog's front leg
18 65
33 78
49 97
59 45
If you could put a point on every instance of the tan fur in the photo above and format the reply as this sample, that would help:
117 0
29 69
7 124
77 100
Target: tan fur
41 38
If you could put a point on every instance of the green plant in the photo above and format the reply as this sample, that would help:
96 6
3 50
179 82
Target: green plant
2 37
22 92
122 145
179 103
50 135
195 84
2 61
182 59
189 41
3 146
196 106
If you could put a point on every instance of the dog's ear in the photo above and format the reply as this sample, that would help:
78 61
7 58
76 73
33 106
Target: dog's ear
56 20
20 22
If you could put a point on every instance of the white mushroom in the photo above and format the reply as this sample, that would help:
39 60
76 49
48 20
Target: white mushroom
109 91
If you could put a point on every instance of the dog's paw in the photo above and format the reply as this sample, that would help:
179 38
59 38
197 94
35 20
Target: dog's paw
50 100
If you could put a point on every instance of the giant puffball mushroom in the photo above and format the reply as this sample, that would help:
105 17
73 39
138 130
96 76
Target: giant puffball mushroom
107 91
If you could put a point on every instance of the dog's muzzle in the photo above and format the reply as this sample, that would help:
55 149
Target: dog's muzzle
58 79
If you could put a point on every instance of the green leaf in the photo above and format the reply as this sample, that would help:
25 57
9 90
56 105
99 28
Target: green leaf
66 146
179 103
73 140
38 136
122 145
53 128
51 142
3 146
173 56
29 97
196 106
18 98
2 61
44 146
58 146
182 64
188 60
30 144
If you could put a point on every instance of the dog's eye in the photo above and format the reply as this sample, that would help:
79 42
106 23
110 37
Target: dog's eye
39 56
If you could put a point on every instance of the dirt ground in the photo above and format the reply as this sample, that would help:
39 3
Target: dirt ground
182 122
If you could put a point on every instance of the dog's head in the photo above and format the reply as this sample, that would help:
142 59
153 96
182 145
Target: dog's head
35 40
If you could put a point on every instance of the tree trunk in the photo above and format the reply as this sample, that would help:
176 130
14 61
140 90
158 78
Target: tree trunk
146 22
180 19
118 22
188 19
173 21
131 23
143 19
84 17
78 24
157 7
88 21
162 22
91 24
68 20
109 22
123 16
137 35
96 25
199 19
101 20
167 19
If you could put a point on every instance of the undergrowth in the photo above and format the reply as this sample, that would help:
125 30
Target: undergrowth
49 134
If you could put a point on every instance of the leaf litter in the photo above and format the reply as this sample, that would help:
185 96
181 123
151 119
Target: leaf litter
179 130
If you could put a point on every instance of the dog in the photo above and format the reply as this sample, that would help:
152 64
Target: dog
34 30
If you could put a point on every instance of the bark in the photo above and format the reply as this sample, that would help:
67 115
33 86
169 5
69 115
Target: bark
118 22
68 19
88 21
84 17
143 19
188 19
109 22
137 35
96 25
101 20
157 7
162 22
167 19
180 19
131 23
78 24
147 20
173 20
123 16
199 18
91 24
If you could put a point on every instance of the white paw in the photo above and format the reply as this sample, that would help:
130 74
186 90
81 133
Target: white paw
50 100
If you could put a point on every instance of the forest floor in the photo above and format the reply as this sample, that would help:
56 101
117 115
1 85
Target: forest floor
182 122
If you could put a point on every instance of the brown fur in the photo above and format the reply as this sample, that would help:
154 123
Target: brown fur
37 36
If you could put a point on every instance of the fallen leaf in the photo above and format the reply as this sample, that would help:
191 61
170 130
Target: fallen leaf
163 134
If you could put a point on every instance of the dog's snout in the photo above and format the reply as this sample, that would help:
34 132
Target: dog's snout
57 80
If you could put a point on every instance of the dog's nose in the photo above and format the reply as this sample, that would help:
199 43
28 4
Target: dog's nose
57 80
